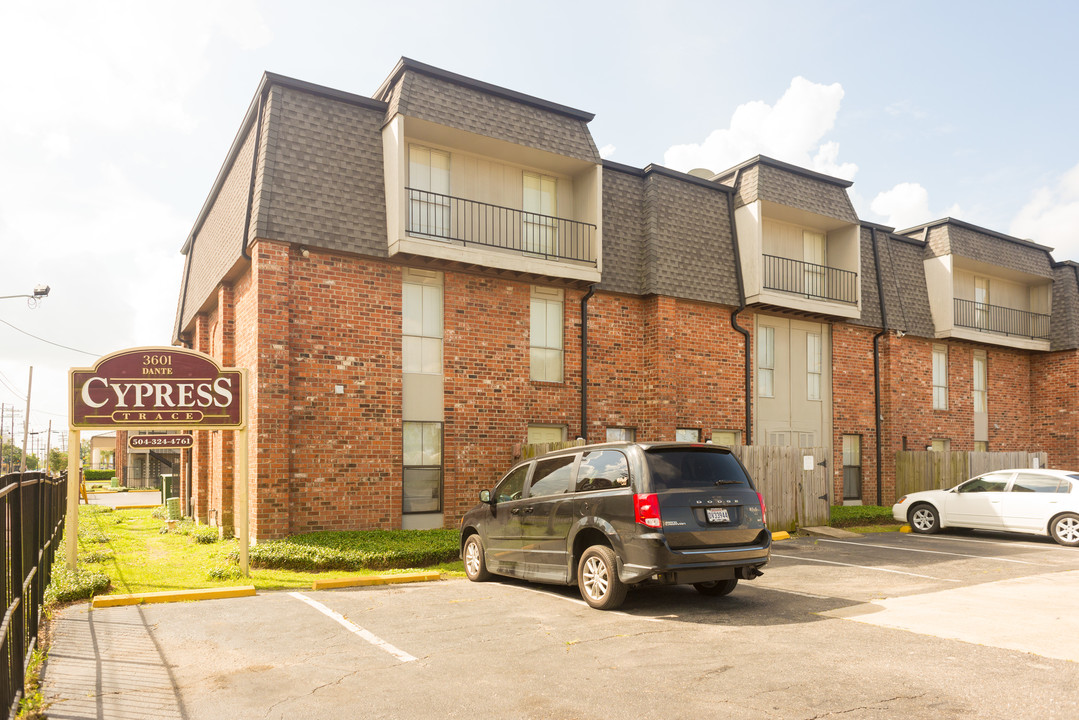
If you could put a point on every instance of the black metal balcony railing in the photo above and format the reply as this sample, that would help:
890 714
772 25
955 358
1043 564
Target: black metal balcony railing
1003 320
817 282
444 217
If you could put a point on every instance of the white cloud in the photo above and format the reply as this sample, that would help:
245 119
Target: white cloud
791 131
606 151
1051 216
906 205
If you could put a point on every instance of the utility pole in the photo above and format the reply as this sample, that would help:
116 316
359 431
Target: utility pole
48 450
26 420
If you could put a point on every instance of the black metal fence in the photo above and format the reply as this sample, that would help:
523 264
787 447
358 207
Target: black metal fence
32 508
1004 320
817 282
444 217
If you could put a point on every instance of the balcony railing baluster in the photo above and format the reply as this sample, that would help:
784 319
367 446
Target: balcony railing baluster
444 217
1003 320
817 282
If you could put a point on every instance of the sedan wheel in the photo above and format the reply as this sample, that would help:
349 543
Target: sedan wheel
924 519
597 577
1065 529
475 565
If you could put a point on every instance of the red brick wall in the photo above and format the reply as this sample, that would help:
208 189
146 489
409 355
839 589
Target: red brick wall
854 406
1054 395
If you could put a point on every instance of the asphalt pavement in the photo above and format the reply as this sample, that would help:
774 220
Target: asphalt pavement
971 625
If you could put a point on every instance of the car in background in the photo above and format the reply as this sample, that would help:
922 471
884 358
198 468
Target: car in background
1040 502
611 516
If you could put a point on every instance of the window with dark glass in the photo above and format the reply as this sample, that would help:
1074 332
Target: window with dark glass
422 474
602 470
513 485
552 476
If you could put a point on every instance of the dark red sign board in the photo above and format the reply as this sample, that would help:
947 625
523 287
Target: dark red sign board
152 442
158 387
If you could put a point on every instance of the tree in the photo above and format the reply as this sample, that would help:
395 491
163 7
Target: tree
57 460
11 456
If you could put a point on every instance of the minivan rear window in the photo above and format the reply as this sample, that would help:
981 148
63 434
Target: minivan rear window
677 468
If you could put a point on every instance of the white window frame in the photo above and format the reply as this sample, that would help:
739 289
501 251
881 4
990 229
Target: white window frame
422 457
814 255
687 435
536 428
720 437
546 335
539 203
814 364
766 361
422 329
980 379
429 214
940 377
621 434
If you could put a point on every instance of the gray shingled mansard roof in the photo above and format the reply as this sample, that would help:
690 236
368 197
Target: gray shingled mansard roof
429 93
949 236
902 275
770 180
1064 321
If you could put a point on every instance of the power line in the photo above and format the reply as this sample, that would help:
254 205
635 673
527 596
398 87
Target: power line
50 342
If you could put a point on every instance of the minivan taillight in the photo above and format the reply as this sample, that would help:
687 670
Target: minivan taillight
646 510
764 510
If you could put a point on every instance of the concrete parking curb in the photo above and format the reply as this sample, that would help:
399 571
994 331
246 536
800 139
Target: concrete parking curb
375 580
103 601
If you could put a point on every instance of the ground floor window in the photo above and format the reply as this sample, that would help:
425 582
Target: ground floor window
726 437
538 434
687 435
852 467
621 434
940 445
981 446
422 476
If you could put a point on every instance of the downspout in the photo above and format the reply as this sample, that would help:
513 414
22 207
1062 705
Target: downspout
876 364
741 306
584 360
254 170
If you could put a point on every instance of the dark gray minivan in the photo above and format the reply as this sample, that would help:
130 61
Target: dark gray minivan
618 514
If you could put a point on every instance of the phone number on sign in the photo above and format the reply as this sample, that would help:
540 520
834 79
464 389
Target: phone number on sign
175 441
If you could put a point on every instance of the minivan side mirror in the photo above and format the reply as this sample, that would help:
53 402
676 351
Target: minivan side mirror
485 496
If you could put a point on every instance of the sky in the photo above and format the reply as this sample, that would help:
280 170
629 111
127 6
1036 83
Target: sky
118 115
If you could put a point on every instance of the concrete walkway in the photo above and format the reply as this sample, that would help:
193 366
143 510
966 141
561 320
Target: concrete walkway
106 665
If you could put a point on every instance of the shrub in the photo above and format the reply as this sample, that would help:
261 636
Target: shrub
159 513
224 572
204 534
89 475
96 556
92 535
68 585
362 550
100 509
848 515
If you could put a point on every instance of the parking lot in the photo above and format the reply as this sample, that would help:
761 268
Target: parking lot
887 625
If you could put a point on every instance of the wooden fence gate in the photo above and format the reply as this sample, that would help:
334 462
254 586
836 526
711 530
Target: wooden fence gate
917 470
795 497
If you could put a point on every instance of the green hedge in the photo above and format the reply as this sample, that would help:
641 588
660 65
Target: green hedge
860 515
361 550
89 475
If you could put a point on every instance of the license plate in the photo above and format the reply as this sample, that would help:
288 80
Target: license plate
718 515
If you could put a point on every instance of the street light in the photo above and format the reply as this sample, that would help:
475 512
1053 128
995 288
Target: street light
40 292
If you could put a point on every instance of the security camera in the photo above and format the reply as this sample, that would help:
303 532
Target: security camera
41 291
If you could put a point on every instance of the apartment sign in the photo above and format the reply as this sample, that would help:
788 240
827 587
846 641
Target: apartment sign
158 387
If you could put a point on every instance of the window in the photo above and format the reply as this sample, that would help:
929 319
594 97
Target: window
981 303
513 485
687 435
429 189
940 377
540 205
813 366
989 483
421 322
981 382
766 361
552 476
539 434
621 434
940 445
1029 482
422 478
813 247
545 335
729 438
852 467
602 470
981 446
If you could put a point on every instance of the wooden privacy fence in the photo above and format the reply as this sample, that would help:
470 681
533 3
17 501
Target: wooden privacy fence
917 470
32 508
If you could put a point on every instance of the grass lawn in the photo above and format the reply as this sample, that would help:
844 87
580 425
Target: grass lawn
129 547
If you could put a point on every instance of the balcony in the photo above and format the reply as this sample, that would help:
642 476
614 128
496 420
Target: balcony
1002 320
814 282
446 218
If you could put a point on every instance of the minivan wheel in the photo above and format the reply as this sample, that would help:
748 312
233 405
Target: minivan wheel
475 565
1065 529
716 588
597 577
924 519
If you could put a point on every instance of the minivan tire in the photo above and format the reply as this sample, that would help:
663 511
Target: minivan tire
716 588
597 578
475 564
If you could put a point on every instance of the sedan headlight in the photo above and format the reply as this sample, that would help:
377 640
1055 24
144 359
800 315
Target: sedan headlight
901 500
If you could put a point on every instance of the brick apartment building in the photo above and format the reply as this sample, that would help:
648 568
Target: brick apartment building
422 280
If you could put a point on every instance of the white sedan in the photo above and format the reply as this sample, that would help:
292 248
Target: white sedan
1041 502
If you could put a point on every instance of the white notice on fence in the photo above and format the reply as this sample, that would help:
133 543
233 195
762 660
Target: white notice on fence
807 463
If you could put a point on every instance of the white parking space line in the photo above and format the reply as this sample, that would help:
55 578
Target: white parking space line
354 628
1005 543
863 567
575 601
931 552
